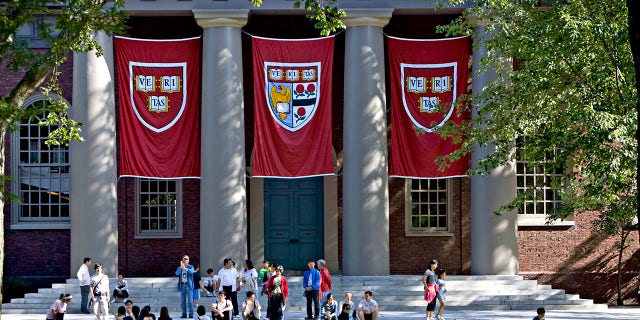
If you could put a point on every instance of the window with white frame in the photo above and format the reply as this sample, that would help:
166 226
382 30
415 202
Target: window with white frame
40 173
427 206
159 208
533 177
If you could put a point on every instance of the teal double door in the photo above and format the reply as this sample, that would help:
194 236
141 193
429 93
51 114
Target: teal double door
294 217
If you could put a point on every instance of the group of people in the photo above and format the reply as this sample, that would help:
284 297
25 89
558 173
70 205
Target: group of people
132 312
226 285
317 286
94 289
433 281
366 309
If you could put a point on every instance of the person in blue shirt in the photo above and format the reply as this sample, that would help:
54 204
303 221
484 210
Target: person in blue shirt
311 284
185 285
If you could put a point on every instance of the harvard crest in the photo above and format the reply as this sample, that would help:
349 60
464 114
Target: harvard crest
292 92
428 93
158 93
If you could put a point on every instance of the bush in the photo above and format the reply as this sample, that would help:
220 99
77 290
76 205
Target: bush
13 287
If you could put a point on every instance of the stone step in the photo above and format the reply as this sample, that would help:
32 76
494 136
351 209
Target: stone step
393 293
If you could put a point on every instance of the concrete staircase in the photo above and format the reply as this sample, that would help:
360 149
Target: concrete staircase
393 293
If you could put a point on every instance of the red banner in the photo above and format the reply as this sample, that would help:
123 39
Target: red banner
159 101
292 91
427 76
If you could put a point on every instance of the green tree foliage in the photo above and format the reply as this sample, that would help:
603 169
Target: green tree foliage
566 84
565 81
76 21
73 28
326 13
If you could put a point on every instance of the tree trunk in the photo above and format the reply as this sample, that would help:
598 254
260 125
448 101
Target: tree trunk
634 39
3 137
624 233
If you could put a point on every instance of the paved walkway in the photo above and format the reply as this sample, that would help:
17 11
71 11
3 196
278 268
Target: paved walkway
625 313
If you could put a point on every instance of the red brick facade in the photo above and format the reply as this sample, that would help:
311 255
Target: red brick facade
579 261
35 255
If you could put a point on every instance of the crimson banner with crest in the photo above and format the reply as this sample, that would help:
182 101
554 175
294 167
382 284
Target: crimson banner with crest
159 107
292 92
427 77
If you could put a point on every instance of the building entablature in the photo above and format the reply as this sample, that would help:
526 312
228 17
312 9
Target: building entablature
185 7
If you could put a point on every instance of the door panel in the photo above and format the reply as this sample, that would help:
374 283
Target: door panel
293 221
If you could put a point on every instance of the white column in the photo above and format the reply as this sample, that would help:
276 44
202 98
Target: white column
365 222
223 195
494 241
94 213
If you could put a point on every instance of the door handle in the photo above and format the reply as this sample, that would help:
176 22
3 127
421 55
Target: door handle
294 240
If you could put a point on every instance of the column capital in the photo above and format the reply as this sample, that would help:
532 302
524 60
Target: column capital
367 17
221 18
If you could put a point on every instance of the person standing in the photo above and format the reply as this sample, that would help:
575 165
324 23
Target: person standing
441 295
229 281
325 279
59 307
249 277
429 283
197 287
263 274
84 277
99 292
278 293
185 285
311 284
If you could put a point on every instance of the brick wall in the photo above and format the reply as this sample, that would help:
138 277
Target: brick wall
38 256
156 257
579 261
411 255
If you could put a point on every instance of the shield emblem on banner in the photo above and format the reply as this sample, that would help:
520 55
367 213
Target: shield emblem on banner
292 92
429 93
158 93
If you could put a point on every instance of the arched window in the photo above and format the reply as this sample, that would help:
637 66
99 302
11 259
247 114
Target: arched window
40 173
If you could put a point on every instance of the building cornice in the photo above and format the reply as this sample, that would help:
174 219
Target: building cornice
221 18
377 17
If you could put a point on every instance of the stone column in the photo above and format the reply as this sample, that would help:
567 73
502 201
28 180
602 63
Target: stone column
365 221
94 212
223 195
494 241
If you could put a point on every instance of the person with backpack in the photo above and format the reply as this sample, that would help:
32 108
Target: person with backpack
251 307
99 293
221 309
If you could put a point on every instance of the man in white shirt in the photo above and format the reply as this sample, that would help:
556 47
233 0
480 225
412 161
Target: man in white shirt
84 277
229 282
100 293
347 300
368 308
